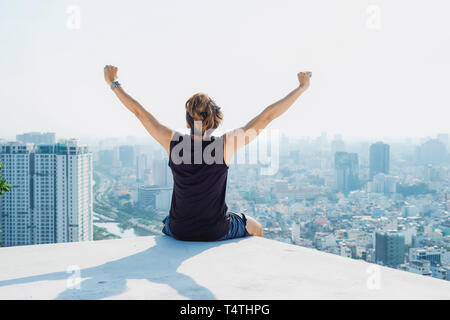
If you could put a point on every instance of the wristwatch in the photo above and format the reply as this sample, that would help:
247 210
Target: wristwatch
115 84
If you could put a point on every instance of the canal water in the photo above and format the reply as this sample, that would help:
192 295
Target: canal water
113 227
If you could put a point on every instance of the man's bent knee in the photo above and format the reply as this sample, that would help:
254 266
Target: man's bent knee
254 228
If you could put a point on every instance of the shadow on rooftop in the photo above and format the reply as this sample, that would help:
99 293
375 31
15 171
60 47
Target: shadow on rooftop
157 264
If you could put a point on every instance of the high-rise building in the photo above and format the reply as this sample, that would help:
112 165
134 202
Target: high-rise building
106 157
322 140
141 167
389 248
126 156
15 206
444 138
379 158
162 175
431 152
295 232
347 171
337 145
432 173
37 137
147 177
51 198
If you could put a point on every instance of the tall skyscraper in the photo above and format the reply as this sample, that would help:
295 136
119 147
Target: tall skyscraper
322 140
432 173
295 232
15 206
444 138
141 167
337 145
347 171
106 157
51 198
126 156
162 175
389 248
37 137
379 158
431 152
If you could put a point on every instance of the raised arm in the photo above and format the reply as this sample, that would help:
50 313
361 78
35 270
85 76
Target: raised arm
238 138
161 133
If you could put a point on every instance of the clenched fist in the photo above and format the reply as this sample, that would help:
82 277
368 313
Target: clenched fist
110 74
303 78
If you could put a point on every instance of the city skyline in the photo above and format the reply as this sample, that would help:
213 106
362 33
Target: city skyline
147 139
388 206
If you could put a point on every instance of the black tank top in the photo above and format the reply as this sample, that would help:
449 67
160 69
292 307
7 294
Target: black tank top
198 209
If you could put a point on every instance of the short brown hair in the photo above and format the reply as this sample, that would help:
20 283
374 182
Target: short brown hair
200 107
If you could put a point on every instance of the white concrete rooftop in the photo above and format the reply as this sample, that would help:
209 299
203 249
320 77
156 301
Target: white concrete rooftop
160 267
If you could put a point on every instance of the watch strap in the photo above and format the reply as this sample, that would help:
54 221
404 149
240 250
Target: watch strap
115 84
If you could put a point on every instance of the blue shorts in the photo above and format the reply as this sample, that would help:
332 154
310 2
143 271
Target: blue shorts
237 227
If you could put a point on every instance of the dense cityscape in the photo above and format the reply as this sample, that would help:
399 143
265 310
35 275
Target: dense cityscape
383 202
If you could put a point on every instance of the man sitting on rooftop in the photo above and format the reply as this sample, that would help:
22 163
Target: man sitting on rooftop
200 163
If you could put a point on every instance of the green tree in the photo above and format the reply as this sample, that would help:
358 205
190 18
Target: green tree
4 187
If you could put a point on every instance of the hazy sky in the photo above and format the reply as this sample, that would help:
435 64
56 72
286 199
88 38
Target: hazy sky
380 68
